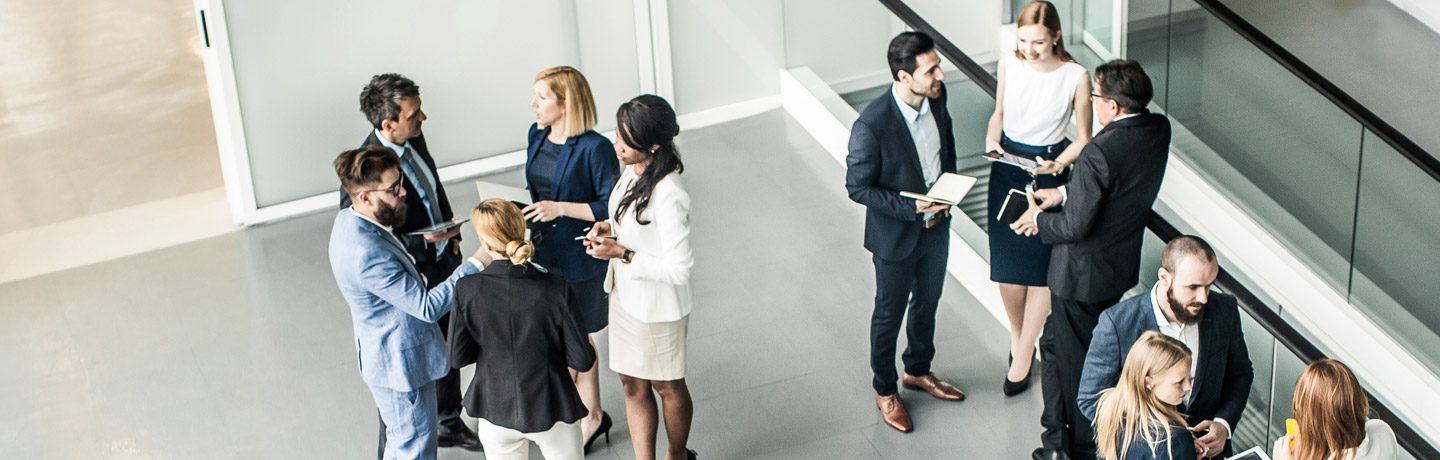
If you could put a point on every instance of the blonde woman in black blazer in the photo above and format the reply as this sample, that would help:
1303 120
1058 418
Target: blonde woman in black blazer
518 325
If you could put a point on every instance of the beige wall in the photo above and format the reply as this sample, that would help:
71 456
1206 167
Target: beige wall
103 105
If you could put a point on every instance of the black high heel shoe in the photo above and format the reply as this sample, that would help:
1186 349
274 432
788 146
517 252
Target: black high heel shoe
605 424
690 454
1015 388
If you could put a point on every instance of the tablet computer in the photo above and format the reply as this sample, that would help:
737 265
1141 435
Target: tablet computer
439 227
1254 453
1011 159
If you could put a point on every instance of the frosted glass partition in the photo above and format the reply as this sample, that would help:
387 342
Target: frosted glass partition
299 68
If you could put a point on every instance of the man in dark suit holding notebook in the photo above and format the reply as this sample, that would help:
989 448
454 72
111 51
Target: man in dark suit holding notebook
1096 239
903 141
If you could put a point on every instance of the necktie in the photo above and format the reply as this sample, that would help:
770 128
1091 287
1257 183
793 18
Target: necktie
427 191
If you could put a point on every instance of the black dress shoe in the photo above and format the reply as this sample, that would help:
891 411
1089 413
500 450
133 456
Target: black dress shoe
456 434
1049 454
605 424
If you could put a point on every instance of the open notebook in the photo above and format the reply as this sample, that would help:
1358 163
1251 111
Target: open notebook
948 189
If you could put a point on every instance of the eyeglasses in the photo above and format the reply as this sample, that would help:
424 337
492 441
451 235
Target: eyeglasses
1100 96
393 189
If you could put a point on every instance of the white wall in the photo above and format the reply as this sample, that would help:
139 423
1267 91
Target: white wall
1426 11
298 75
970 24
725 52
842 41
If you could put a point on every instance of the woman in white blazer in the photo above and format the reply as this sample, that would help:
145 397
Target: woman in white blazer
647 241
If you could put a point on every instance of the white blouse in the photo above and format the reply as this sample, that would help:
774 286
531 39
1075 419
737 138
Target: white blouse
655 286
1038 105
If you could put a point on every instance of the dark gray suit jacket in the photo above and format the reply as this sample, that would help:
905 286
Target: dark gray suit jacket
1096 235
1222 376
882 163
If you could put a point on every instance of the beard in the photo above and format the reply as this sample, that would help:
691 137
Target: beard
930 92
390 216
1182 311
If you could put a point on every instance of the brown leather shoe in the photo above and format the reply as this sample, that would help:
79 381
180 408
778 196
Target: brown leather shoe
929 383
892 410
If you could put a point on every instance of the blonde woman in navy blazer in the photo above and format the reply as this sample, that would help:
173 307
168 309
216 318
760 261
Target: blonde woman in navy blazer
570 170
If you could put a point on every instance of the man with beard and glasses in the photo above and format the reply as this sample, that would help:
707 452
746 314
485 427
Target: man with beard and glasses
400 351
391 103
903 141
1181 306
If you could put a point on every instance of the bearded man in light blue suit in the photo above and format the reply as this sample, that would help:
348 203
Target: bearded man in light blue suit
399 346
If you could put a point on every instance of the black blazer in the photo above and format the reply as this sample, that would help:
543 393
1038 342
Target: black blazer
1096 235
415 216
585 173
517 324
1222 376
882 163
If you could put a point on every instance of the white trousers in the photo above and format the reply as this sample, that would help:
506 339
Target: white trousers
560 442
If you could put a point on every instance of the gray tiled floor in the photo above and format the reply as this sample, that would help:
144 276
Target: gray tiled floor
240 346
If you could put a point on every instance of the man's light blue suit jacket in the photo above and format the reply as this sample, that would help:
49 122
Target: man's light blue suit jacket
399 345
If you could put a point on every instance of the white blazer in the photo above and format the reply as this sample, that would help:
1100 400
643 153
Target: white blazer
655 286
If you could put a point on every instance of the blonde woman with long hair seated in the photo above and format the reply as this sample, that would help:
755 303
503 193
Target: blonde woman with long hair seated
1138 419
1332 414
518 325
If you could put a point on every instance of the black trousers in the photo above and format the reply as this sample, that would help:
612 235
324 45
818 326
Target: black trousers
447 389
914 281
1063 345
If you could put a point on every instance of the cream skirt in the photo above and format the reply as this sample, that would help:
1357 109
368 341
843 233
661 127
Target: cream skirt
650 351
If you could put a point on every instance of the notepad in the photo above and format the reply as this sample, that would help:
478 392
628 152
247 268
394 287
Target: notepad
949 189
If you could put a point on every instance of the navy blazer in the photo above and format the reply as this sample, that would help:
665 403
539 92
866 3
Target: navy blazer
585 173
1222 376
883 162
1180 447
415 215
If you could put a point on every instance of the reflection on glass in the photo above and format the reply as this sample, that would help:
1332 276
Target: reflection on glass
1099 25
1396 234
1279 150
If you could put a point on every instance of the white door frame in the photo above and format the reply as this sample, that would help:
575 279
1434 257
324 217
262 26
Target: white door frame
652 38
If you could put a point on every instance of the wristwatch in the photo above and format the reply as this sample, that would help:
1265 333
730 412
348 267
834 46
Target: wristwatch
627 256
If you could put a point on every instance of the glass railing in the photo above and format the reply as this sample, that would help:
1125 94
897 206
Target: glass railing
1257 150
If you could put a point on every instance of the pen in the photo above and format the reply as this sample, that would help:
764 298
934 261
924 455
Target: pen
581 237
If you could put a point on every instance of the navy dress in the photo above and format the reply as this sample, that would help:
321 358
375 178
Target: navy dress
581 170
1016 259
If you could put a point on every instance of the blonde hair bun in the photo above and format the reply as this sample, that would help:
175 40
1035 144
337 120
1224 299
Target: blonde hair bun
519 252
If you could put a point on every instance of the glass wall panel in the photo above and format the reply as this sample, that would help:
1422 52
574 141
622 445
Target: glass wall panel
1271 143
1397 244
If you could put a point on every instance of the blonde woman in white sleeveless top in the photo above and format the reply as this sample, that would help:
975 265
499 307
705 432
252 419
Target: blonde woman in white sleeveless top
1041 89
647 241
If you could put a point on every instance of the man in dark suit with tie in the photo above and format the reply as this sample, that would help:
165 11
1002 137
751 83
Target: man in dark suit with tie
391 103
1096 241
1181 306
903 141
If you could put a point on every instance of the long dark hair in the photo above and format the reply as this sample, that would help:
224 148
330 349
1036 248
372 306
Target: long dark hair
648 121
